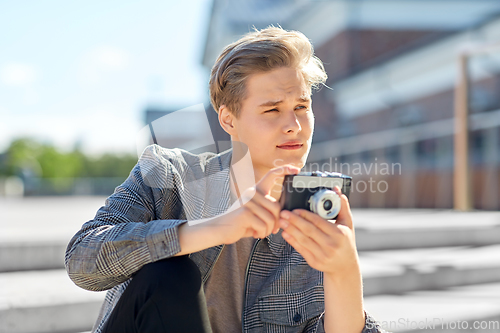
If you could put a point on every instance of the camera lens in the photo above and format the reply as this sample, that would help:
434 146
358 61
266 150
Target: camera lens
327 205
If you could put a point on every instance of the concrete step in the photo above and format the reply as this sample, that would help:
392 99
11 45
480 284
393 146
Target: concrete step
422 218
384 229
33 254
36 255
49 254
21 256
54 304
45 219
453 310
399 271
34 231
45 301
409 238
401 251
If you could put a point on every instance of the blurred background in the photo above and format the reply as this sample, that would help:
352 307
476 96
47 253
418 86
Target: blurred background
79 81
76 81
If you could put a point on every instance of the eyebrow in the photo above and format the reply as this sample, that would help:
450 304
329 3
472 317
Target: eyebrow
274 103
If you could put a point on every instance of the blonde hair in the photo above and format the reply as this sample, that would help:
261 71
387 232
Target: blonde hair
257 52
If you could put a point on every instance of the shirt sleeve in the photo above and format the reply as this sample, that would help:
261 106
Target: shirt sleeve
125 233
371 325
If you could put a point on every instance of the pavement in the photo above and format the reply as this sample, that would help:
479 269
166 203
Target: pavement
419 267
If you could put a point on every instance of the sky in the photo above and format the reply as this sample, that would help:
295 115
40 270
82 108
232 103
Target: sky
83 72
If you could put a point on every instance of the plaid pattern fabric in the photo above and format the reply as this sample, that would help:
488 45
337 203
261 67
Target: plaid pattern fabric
138 225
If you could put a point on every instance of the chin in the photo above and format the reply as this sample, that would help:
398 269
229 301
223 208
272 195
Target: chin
298 162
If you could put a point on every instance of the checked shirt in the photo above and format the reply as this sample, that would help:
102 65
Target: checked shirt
139 224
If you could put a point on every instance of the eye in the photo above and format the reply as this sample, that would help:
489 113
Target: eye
272 110
301 107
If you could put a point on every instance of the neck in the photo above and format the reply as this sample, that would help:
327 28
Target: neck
242 176
245 175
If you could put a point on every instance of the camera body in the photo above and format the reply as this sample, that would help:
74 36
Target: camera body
314 191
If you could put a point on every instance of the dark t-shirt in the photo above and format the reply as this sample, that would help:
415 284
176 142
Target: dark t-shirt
224 287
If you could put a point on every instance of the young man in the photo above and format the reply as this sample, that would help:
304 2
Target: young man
197 243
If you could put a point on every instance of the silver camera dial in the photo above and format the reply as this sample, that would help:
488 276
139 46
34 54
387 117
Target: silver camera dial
325 203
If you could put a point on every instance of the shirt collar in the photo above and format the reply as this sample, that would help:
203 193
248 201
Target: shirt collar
276 242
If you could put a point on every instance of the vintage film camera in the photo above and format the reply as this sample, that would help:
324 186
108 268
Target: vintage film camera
314 191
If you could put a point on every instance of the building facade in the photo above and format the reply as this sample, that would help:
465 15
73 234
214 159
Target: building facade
387 115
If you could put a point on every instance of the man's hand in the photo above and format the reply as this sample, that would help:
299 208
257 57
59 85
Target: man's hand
326 246
255 215
331 248
258 216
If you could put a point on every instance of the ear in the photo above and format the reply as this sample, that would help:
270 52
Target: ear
226 120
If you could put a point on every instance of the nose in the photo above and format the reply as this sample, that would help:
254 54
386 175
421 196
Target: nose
291 123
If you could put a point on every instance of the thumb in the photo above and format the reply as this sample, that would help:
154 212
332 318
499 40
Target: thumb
345 216
276 175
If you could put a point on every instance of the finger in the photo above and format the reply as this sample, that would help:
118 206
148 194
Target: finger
305 233
271 205
326 227
274 207
257 228
249 233
275 176
265 216
305 252
345 215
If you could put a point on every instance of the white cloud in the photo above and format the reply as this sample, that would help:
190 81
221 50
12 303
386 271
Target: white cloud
111 58
18 74
107 127
100 61
103 128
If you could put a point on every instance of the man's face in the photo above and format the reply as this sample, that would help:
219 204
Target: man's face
276 121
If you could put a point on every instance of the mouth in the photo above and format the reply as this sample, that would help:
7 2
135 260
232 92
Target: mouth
290 145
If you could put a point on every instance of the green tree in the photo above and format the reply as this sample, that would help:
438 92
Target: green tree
21 158
29 157
109 165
